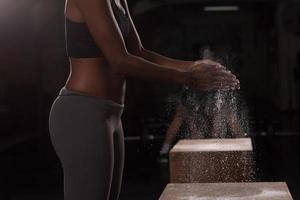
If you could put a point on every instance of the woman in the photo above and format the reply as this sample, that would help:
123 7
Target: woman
84 121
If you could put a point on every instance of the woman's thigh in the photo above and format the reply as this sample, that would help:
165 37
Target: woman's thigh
119 152
83 141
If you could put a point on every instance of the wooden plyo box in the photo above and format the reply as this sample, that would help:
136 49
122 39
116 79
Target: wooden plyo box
212 161
226 191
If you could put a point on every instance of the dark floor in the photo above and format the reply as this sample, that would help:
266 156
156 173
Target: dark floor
31 171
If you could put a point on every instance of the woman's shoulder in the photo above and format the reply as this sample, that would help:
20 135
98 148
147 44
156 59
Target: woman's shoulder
72 11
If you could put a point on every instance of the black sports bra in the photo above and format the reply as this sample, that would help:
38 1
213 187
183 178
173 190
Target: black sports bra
79 41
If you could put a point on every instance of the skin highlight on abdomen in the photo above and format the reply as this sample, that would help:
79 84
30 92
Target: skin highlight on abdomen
94 76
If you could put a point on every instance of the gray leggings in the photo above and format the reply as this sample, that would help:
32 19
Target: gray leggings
87 135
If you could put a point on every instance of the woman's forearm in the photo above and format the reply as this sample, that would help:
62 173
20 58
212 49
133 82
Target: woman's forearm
138 67
163 60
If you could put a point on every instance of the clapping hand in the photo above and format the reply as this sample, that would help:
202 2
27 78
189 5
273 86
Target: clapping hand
210 75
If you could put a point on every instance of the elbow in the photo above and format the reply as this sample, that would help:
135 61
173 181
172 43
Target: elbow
141 50
137 51
120 63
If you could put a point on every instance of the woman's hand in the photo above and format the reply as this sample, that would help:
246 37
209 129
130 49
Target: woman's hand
209 75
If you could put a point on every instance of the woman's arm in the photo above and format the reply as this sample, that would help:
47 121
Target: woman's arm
99 17
136 47
163 60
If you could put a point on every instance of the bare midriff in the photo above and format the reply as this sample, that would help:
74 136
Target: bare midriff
94 77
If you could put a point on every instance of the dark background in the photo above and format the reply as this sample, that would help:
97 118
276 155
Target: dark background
260 41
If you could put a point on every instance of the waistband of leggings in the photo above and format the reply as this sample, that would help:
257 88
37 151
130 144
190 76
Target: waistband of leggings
67 92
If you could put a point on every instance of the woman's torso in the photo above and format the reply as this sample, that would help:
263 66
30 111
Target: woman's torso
93 76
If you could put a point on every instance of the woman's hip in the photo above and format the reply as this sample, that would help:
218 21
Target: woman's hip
75 116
